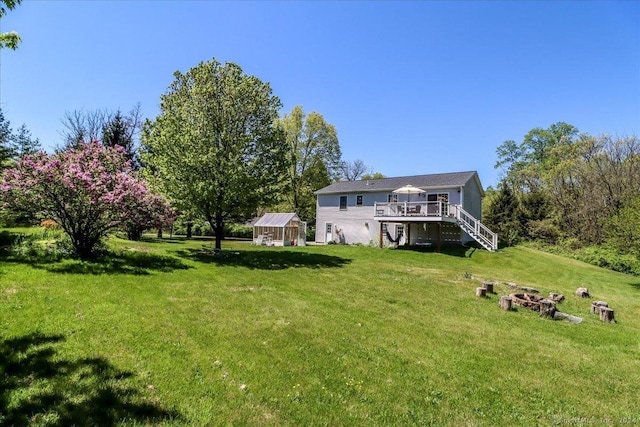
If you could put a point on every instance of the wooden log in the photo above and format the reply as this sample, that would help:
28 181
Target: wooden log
596 305
558 315
582 292
556 297
606 314
547 308
481 292
488 286
505 302
528 289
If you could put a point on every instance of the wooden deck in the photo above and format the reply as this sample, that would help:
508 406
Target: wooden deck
412 212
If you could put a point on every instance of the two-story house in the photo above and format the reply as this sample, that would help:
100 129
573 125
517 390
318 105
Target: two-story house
426 210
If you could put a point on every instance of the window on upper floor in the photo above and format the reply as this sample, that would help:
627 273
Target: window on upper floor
359 200
343 203
392 198
438 197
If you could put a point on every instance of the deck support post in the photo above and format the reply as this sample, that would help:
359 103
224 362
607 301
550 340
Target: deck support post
380 238
439 236
408 234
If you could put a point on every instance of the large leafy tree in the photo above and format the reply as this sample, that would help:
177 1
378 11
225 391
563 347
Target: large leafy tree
314 158
88 190
214 148
525 163
11 39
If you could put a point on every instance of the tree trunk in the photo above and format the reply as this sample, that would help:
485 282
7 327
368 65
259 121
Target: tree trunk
84 247
134 233
159 232
219 230
189 229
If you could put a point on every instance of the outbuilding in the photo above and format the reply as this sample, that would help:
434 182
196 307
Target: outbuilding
280 229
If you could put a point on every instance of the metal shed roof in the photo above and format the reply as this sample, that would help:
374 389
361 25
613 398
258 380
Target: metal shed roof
276 219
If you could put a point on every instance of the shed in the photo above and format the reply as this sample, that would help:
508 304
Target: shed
280 229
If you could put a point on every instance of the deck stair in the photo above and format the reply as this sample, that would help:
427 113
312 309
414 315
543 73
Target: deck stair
474 228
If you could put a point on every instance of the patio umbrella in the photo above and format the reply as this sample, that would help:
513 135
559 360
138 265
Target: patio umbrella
409 190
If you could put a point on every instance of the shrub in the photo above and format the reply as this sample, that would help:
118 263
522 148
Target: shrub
49 224
238 230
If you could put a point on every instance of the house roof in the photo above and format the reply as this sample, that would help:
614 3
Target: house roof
437 180
276 219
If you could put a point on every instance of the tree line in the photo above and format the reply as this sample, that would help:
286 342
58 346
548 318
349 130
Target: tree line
560 186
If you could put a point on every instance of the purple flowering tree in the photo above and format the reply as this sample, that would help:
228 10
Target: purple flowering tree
89 191
145 210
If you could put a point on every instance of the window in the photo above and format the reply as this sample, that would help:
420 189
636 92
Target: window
392 198
384 227
329 227
359 200
399 231
433 207
438 197
343 203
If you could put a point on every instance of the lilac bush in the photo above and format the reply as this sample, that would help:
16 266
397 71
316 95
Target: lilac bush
88 191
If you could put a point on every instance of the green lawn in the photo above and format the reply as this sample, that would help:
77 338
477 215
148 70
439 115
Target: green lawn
164 333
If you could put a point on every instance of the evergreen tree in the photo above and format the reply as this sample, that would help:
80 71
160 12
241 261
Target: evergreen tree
119 130
22 143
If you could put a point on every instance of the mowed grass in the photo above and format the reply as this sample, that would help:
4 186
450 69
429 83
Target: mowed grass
166 333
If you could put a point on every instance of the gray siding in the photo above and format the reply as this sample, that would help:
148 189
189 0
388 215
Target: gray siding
473 199
472 203
355 224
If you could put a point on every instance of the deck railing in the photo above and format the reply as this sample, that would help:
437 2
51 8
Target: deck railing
412 209
471 225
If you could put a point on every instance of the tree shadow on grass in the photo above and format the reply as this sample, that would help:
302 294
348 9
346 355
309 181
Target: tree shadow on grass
122 262
264 259
635 285
39 387
457 251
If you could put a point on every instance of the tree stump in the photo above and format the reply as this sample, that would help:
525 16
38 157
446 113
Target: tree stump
481 292
505 302
488 286
606 314
596 306
547 308
582 292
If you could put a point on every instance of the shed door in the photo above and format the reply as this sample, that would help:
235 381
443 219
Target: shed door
328 232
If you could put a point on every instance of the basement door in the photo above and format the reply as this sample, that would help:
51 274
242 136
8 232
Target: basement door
328 232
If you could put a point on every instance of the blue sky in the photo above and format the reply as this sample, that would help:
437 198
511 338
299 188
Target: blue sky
412 87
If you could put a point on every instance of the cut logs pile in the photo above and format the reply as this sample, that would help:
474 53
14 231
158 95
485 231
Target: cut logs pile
546 306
